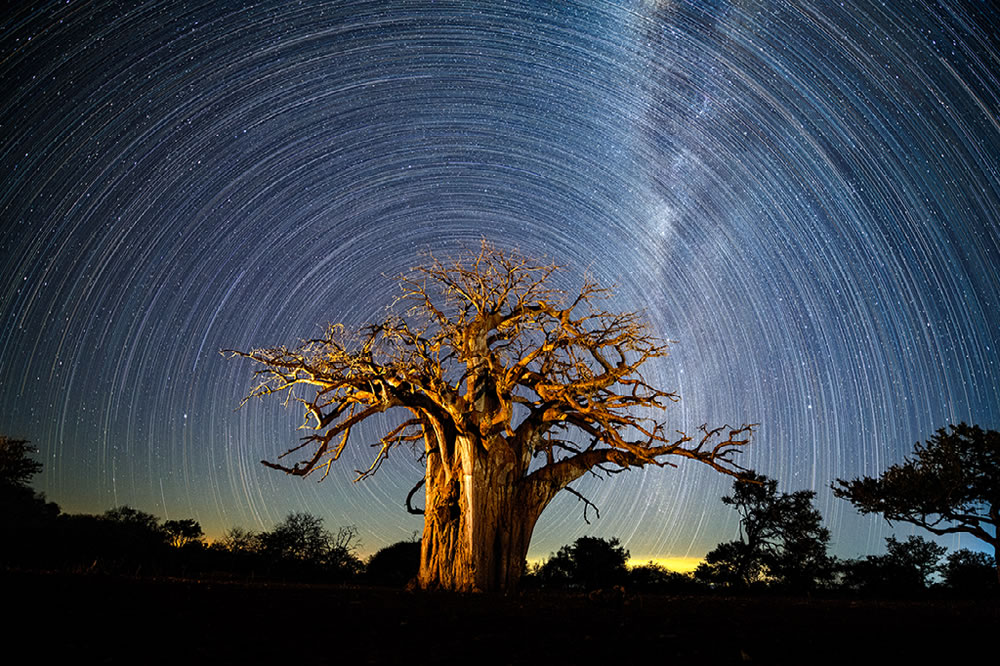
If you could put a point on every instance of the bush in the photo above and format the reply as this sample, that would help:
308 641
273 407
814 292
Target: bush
394 565
970 573
654 578
589 563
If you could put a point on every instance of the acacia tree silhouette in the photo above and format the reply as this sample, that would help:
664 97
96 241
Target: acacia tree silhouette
782 539
951 485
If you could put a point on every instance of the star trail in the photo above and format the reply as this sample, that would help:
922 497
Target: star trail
803 195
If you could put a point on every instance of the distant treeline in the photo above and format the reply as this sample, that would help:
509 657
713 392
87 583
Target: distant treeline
912 568
782 547
126 541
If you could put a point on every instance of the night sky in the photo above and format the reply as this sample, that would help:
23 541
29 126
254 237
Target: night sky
804 195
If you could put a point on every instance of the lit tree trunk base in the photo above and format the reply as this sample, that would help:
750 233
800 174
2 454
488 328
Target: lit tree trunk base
478 521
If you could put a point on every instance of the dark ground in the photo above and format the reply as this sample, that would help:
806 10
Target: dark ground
97 619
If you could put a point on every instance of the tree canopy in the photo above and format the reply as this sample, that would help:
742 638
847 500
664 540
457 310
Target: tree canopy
782 539
906 568
183 532
970 572
950 485
510 390
17 468
395 565
589 563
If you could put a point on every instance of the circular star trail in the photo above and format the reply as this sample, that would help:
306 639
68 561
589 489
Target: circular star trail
803 195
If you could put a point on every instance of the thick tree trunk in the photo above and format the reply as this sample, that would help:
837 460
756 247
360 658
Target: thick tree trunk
478 519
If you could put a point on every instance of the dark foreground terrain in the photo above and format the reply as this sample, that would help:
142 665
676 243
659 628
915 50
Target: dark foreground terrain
95 619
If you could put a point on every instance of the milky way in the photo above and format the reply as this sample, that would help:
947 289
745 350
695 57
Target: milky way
803 195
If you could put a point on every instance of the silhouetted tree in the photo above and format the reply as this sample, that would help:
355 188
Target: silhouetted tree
801 563
134 518
589 563
183 532
970 572
782 540
239 551
652 577
27 519
510 389
300 546
555 572
238 540
950 485
17 468
394 565
300 536
129 539
732 564
19 503
917 555
906 568
343 553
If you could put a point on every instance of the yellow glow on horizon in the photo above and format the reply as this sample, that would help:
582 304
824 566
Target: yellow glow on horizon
678 564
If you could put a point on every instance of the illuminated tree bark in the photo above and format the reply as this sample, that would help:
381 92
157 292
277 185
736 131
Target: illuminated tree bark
514 391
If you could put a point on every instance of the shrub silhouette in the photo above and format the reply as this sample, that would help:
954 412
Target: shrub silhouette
394 565
589 563
970 573
652 577
904 570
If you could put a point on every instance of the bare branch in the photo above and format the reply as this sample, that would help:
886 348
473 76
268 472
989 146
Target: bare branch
586 503
474 341
409 499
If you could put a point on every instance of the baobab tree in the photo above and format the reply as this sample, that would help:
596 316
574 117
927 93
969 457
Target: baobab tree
510 390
